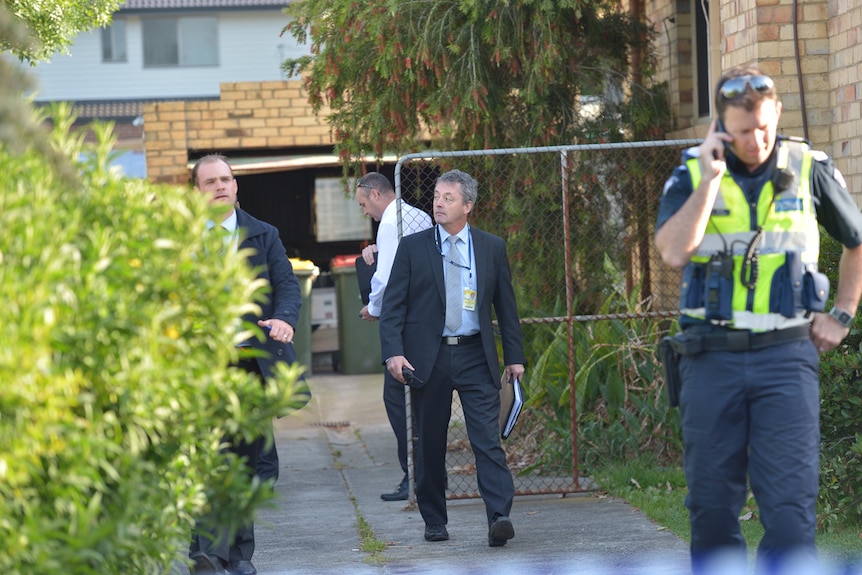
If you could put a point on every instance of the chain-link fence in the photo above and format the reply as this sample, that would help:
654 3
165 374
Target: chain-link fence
579 223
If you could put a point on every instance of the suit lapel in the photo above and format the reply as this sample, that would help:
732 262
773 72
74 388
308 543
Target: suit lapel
480 253
248 227
435 264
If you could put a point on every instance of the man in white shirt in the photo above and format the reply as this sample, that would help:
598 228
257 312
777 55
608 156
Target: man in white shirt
376 197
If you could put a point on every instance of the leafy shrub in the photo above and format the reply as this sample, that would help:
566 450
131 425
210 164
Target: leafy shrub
840 498
119 325
621 402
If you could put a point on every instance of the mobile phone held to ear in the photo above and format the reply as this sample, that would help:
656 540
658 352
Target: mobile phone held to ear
719 127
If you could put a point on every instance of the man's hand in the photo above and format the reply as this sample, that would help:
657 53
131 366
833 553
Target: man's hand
368 253
683 232
712 161
396 364
363 313
826 332
513 372
278 330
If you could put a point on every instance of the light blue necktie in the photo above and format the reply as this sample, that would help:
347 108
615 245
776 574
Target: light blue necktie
453 286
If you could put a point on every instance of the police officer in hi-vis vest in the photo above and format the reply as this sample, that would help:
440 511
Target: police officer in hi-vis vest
741 216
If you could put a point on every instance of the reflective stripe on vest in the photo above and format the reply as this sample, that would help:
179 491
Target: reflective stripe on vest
789 224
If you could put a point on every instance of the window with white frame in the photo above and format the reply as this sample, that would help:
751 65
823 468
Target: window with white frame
114 42
184 41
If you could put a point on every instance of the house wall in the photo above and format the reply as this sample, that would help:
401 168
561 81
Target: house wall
253 116
844 30
276 114
250 50
761 32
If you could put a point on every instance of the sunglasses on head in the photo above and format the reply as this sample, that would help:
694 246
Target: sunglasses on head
736 86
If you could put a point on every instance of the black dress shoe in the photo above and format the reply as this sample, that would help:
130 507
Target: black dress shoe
203 564
436 533
401 493
500 531
241 568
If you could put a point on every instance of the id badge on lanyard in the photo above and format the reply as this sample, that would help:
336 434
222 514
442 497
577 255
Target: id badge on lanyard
469 299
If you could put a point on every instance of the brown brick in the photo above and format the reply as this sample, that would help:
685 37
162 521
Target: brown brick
197 105
309 141
248 86
225 143
807 30
215 114
225 124
279 122
249 104
291 131
152 127
170 106
266 132
280 142
232 95
286 94
274 85
767 33
222 105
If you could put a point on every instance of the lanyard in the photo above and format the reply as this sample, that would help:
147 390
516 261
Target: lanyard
469 267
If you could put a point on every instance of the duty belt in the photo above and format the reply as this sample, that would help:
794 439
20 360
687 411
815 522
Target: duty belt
690 342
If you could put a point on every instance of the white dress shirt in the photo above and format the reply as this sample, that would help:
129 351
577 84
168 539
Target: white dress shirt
412 220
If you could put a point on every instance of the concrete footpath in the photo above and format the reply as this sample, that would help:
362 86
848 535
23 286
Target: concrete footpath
337 456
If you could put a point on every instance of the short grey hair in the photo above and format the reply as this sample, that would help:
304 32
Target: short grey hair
469 186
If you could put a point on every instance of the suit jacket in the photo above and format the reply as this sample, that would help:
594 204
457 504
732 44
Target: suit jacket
414 305
284 299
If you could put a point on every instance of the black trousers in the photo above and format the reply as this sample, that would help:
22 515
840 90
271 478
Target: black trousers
395 404
462 368
215 540
267 463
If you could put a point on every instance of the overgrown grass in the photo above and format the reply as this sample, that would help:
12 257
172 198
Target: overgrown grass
659 492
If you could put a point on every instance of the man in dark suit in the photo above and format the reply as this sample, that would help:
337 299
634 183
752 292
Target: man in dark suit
213 553
436 325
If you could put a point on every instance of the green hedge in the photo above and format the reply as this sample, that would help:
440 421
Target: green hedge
118 329
840 502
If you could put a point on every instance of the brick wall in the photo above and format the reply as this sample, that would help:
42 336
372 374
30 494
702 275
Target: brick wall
253 116
830 61
761 32
844 29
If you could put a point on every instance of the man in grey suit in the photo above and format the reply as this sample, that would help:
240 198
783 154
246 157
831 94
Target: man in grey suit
436 336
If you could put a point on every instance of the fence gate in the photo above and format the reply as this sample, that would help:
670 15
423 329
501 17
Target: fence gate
579 223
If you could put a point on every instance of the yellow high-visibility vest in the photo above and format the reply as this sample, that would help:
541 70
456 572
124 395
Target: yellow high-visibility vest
788 223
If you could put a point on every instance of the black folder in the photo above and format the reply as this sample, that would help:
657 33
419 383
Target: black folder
511 402
363 276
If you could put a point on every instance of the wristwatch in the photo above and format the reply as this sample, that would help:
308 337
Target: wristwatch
841 316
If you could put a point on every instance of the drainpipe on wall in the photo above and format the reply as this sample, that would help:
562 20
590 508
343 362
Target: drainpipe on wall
799 69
